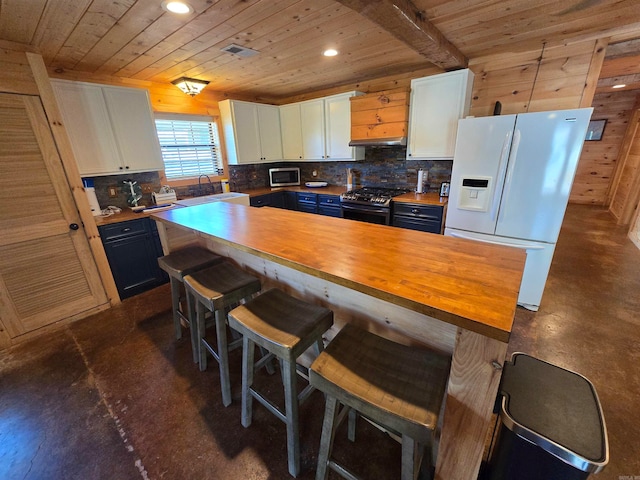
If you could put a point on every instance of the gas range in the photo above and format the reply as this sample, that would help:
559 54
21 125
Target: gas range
375 196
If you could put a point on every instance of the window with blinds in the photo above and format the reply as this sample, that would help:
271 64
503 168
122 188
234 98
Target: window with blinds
190 146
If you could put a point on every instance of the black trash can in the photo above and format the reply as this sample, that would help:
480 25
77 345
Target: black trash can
551 424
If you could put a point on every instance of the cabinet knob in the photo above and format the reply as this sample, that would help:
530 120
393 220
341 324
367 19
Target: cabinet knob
121 168
74 226
415 210
127 167
125 230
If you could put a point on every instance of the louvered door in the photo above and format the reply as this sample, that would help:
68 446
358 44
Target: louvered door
47 272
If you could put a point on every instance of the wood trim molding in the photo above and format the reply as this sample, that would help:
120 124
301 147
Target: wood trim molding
73 175
629 135
407 23
595 67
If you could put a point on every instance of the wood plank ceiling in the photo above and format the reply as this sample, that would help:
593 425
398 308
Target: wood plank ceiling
138 39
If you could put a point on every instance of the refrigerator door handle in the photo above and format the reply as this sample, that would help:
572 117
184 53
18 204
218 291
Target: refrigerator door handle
512 161
502 166
523 246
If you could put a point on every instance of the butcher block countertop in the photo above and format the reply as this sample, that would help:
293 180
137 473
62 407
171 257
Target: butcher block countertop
468 284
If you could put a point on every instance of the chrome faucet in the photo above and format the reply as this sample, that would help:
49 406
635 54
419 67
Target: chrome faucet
200 186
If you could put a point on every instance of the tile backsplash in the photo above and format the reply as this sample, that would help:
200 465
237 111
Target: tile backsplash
382 167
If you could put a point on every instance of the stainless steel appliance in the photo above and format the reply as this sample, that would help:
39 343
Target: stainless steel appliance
369 204
284 177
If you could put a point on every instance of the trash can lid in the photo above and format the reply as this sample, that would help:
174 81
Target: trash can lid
556 409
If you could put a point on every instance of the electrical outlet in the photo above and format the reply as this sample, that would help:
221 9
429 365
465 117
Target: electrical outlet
113 191
146 187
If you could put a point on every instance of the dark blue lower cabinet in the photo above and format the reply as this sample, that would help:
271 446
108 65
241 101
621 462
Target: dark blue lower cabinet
329 205
425 218
133 248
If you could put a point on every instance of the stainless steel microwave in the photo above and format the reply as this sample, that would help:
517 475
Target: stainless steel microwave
283 177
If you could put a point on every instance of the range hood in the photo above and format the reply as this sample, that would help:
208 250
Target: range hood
380 119
379 142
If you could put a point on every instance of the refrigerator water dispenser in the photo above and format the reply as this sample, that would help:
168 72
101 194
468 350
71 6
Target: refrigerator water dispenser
475 194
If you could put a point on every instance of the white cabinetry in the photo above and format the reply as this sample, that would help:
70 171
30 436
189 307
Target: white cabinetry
437 103
313 137
326 129
111 129
251 131
291 132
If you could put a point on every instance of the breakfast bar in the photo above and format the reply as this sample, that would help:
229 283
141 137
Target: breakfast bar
421 289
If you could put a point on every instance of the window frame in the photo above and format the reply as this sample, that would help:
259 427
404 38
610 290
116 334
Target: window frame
185 181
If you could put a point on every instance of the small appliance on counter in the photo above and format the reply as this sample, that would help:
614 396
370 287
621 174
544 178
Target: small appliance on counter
284 177
91 196
423 175
165 195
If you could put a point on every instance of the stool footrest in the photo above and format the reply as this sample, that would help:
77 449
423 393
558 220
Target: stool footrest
268 404
343 472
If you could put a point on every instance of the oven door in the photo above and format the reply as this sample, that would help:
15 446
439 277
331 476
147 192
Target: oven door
366 213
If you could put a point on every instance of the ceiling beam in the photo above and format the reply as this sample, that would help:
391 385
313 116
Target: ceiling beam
403 20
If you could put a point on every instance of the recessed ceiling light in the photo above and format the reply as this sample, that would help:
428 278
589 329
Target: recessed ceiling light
175 6
622 85
330 52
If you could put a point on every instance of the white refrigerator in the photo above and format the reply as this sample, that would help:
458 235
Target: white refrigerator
510 184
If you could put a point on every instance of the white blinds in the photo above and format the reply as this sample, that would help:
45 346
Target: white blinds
189 147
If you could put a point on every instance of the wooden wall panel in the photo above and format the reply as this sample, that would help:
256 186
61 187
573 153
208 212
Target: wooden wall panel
545 79
627 183
599 159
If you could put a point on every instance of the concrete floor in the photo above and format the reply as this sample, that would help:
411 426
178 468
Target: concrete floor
115 397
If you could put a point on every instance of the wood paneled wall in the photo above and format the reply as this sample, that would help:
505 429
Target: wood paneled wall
550 78
600 158
626 184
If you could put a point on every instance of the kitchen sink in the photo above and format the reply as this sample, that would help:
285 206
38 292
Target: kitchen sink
232 197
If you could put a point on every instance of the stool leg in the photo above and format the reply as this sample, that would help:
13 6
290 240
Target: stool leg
248 349
351 430
175 303
193 326
326 440
200 330
291 409
409 454
223 356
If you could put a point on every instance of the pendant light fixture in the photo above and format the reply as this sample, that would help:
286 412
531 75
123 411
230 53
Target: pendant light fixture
190 86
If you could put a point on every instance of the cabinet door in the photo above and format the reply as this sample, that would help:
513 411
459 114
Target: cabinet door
312 120
291 132
338 127
134 129
134 264
86 119
261 200
270 134
246 132
437 103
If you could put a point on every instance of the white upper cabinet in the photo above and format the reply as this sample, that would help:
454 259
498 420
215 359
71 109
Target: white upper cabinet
111 129
437 103
326 129
251 132
338 128
313 136
291 132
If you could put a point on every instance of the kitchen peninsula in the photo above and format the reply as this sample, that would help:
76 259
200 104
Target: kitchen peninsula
417 288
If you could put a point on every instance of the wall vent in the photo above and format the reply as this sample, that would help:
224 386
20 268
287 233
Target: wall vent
239 51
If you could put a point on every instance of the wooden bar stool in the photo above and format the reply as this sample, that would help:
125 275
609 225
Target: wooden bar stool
216 289
285 327
179 264
398 387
